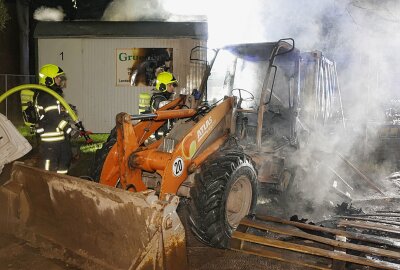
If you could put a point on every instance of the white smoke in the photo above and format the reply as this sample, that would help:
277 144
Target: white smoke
361 36
154 10
136 10
49 14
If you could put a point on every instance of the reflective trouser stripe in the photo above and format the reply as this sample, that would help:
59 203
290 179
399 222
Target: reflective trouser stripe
47 164
62 171
53 139
52 136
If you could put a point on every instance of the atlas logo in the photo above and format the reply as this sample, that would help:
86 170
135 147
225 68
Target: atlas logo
204 129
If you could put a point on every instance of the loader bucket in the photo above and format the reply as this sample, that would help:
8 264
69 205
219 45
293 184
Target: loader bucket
89 225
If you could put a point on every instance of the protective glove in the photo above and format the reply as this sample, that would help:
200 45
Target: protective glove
75 133
83 132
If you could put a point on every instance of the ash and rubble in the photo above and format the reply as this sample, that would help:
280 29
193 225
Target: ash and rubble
332 182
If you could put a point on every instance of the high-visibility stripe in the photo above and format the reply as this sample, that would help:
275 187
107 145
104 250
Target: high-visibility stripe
68 130
62 171
50 108
47 164
52 134
40 130
62 124
53 139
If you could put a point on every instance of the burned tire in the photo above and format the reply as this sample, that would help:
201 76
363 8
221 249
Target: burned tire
101 154
225 190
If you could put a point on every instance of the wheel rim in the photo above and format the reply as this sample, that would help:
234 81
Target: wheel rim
239 200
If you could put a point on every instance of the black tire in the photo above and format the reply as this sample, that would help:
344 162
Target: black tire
101 154
222 175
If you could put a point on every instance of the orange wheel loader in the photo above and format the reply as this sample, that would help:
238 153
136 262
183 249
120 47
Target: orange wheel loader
230 137
234 136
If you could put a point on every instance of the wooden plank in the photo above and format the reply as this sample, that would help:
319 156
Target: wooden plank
388 211
320 239
280 255
313 251
369 225
393 215
336 264
352 235
372 219
338 176
363 176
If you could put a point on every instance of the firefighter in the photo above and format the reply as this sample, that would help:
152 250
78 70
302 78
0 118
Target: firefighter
165 86
53 127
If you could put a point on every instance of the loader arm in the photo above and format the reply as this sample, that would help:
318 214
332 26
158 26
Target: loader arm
174 167
128 158
129 139
182 159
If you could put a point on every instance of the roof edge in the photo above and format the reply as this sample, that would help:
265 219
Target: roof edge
121 29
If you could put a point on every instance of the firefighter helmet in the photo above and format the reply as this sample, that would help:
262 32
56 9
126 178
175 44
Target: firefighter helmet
163 79
47 74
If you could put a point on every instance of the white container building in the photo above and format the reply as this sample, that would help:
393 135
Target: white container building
101 58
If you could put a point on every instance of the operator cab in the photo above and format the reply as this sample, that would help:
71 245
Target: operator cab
263 76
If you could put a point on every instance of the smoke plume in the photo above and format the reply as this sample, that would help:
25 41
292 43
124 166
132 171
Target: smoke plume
49 14
361 36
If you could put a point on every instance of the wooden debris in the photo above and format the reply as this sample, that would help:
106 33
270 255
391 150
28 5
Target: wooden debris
316 246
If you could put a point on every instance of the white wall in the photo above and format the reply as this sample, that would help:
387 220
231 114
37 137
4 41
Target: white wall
90 66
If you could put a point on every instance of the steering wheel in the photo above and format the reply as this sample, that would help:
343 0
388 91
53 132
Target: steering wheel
240 90
240 93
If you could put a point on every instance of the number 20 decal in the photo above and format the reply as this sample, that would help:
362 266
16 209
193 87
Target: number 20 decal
177 166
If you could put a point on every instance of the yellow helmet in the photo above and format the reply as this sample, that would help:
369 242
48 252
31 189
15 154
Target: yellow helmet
47 74
163 79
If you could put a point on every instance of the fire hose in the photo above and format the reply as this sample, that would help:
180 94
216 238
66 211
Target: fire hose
71 112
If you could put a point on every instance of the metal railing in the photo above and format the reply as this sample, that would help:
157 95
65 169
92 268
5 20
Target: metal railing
11 107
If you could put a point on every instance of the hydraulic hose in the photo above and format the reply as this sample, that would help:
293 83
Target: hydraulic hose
71 112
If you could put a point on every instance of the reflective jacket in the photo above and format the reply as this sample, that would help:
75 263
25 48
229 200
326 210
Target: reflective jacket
52 125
